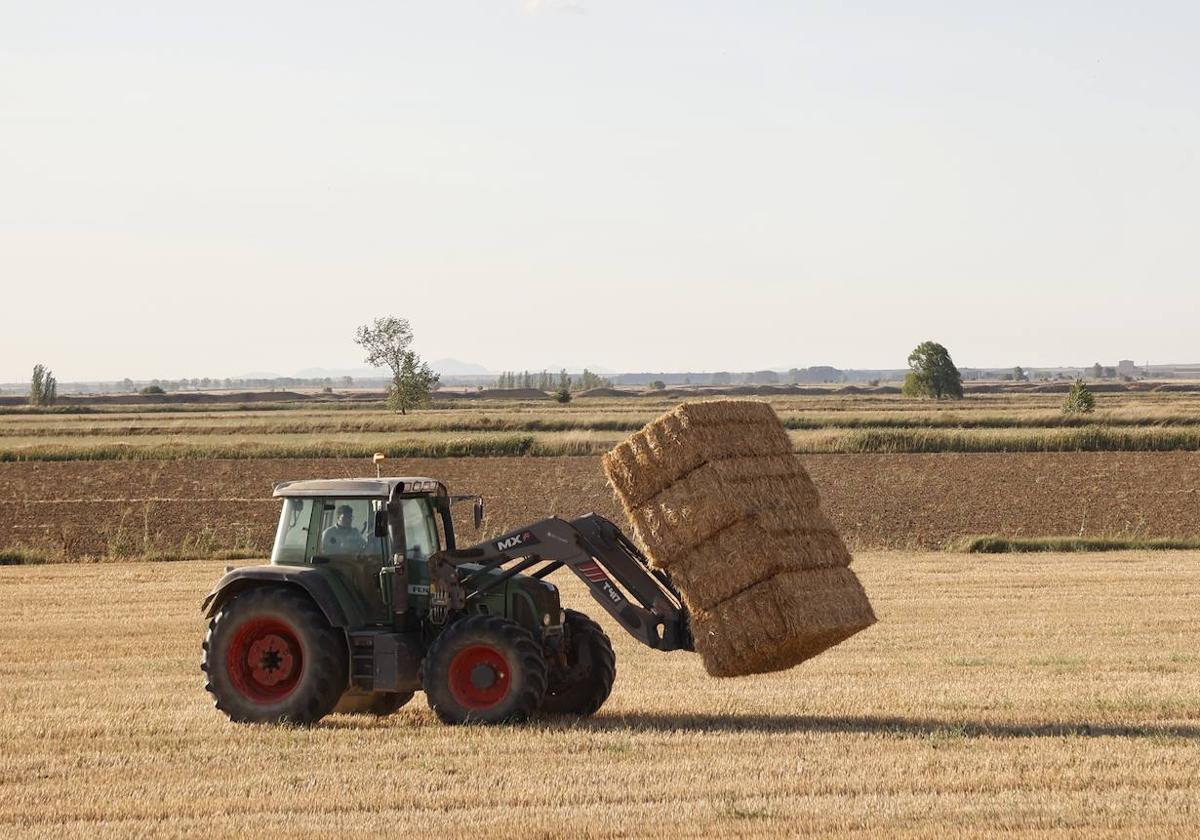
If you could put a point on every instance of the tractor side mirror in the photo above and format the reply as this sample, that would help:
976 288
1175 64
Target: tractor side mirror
381 522
478 508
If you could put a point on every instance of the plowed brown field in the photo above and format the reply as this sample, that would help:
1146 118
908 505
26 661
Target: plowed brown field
126 508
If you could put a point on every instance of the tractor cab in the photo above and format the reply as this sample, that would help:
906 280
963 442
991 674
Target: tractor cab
359 531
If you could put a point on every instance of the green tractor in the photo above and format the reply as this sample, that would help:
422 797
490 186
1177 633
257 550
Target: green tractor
368 599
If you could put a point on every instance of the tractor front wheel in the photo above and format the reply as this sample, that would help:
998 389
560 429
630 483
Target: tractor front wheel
270 656
484 669
581 684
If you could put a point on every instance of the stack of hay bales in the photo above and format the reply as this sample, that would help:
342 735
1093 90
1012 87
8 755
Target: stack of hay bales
720 503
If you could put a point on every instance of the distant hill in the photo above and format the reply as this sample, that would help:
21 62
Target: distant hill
453 367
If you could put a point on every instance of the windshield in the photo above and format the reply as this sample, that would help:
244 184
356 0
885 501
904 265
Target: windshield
348 529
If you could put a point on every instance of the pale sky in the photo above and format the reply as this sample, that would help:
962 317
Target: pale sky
204 189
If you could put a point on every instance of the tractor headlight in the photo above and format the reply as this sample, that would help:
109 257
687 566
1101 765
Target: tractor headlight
546 619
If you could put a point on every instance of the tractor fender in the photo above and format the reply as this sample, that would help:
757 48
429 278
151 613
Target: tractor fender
308 580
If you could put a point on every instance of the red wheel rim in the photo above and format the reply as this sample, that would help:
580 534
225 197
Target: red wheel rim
265 660
479 677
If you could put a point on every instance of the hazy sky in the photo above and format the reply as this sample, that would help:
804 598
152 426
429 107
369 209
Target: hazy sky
204 189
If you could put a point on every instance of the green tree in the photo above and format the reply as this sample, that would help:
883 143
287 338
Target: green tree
563 394
43 387
414 387
658 385
152 391
1079 399
386 342
1019 374
1097 371
35 385
932 373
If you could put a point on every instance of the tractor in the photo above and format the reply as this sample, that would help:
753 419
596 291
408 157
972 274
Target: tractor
368 599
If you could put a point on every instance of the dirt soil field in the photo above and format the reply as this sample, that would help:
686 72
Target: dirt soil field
879 501
1053 696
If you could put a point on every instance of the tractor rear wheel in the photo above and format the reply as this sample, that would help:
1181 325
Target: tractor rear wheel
484 669
270 656
582 686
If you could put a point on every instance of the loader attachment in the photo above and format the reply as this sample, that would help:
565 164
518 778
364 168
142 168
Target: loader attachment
642 600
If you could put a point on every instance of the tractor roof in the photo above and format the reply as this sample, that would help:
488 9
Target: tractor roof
355 487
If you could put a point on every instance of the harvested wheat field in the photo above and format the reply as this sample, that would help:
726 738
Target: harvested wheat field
1056 695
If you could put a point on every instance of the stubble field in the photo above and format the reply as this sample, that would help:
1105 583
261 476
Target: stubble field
1052 696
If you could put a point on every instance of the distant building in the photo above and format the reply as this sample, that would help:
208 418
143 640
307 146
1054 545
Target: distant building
1125 367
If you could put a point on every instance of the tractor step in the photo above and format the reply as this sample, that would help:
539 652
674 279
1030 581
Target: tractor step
383 661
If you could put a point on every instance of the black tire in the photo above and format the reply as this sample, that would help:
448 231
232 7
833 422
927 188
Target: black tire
584 684
270 656
484 669
381 703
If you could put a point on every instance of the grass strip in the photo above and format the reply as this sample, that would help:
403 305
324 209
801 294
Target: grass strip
1093 439
1017 545
472 447
366 425
990 421
23 557
36 557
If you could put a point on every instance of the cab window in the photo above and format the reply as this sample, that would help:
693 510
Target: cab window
420 530
291 538
348 529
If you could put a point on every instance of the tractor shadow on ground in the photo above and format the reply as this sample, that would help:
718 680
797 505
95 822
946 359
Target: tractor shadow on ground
900 727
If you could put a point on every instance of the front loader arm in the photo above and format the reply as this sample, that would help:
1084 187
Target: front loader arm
641 600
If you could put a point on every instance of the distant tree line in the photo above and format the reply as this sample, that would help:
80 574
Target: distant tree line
545 381
818 375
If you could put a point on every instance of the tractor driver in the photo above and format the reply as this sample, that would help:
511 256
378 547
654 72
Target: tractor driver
343 537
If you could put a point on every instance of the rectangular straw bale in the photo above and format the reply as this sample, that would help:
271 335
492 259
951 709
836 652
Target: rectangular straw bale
696 507
651 460
781 622
725 412
670 447
745 555
746 469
